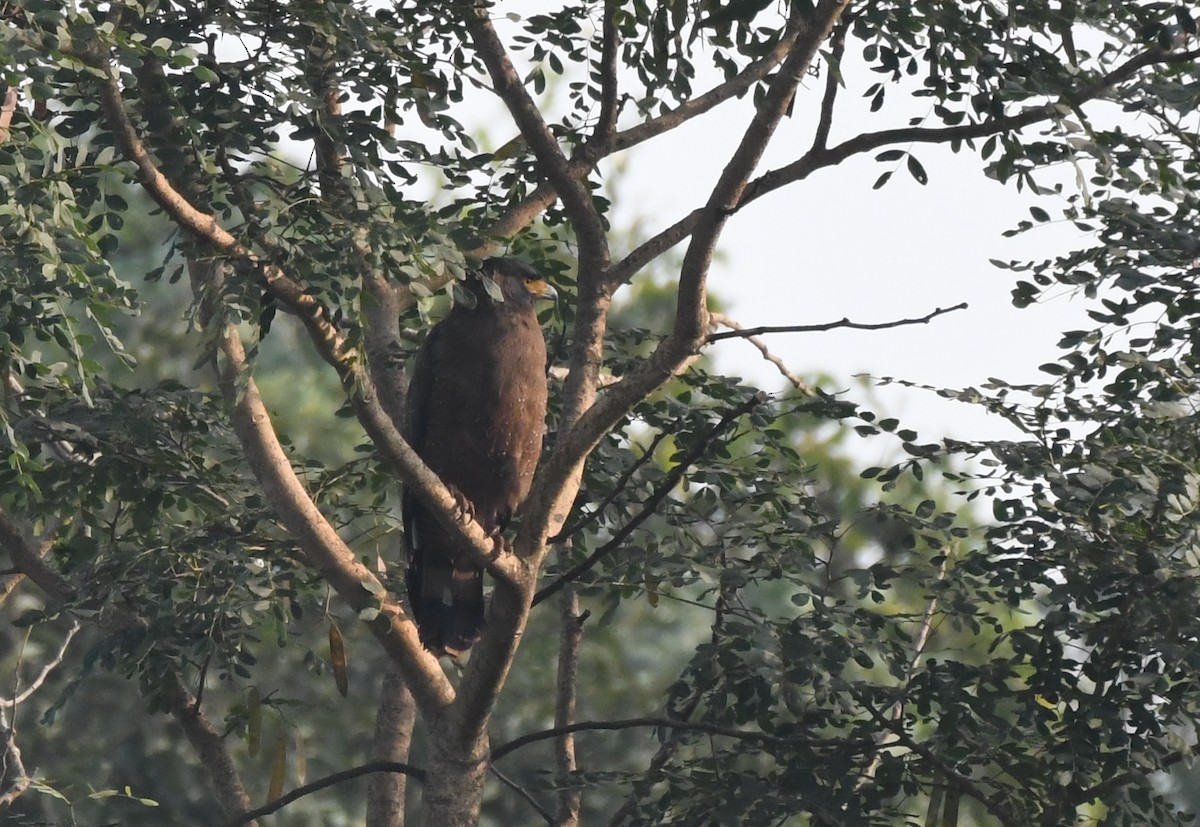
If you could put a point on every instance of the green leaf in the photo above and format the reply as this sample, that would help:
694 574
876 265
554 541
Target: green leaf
917 171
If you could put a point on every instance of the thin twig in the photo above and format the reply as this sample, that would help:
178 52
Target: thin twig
619 486
36 684
323 783
896 710
794 378
747 332
525 795
14 764
662 722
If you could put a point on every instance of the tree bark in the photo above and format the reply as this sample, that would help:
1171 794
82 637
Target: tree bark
571 637
452 795
387 792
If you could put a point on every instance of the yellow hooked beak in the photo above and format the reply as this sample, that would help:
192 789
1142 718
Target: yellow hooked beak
541 289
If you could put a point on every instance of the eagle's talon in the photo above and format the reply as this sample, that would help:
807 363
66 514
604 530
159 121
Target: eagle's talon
500 545
464 509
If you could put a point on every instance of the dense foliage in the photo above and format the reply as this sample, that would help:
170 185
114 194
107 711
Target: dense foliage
779 635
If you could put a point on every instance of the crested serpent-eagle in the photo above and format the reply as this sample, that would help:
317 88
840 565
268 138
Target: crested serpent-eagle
475 413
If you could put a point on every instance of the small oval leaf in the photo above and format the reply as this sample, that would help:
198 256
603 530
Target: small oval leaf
917 171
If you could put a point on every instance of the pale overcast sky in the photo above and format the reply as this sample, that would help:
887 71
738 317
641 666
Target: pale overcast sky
830 247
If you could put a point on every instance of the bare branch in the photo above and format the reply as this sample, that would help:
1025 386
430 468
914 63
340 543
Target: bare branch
833 81
797 382
570 639
659 722
323 783
52 664
623 271
746 333
524 794
13 763
614 492
607 123
664 488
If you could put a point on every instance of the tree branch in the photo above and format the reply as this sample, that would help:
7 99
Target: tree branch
394 720
659 722
13 763
606 126
817 158
524 794
691 315
324 783
47 669
797 382
664 488
614 492
577 199
624 270
570 639
833 81
326 551
750 332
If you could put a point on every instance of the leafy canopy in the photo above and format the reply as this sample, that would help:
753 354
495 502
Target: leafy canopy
812 642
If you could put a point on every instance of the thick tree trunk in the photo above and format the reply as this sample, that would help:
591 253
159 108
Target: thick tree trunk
452 794
387 792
